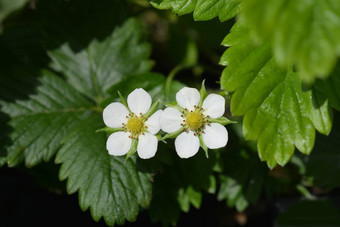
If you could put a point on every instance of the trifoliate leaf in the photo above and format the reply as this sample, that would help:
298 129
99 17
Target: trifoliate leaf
104 63
57 117
277 113
304 33
202 9
110 186
9 6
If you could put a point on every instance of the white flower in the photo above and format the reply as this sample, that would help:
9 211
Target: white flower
196 120
134 125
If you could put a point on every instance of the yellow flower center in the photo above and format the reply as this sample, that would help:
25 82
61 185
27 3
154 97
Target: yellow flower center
135 125
194 120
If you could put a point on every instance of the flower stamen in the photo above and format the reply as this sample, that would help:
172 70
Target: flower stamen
135 125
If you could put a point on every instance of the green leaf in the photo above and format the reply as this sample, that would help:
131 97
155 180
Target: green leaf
9 6
189 196
277 113
104 63
109 185
304 33
179 185
202 9
153 83
58 117
307 213
41 122
323 165
329 87
242 180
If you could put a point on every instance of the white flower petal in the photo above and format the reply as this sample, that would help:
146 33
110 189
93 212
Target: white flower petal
215 136
214 105
147 146
187 145
115 114
139 101
188 98
170 120
153 122
118 143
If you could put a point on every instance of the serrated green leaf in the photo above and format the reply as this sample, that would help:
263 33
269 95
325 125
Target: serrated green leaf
304 33
104 63
41 122
9 6
109 185
277 113
202 9
57 116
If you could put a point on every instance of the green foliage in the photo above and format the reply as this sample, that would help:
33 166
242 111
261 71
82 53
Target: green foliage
202 9
9 6
276 111
323 165
180 185
110 186
58 117
242 180
304 33
41 122
102 64
62 62
329 87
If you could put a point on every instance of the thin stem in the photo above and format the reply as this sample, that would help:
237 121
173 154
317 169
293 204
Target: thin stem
172 75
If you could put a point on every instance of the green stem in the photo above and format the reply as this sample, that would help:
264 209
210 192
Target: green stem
172 75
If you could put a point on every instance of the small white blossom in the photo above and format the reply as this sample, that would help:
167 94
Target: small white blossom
196 121
134 125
